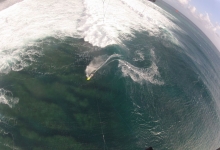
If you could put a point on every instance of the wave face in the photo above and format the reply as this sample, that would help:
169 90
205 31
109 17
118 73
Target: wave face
106 74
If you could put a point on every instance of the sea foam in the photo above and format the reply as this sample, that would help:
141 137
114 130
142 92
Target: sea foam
6 97
142 75
100 23
26 21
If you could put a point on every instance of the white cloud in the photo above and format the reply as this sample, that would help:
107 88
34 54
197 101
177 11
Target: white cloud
192 9
216 28
204 22
201 20
204 19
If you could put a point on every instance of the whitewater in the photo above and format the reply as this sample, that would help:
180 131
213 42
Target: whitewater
98 22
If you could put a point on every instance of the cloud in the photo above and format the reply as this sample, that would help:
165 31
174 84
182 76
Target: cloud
192 9
216 28
202 20
206 19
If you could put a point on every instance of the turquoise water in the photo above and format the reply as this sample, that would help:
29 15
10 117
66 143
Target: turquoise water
153 91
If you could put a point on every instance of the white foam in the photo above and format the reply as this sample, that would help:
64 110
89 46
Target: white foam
139 56
141 75
29 20
101 23
6 97
100 61
17 59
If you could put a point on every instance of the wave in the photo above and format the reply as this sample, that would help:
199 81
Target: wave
108 22
100 23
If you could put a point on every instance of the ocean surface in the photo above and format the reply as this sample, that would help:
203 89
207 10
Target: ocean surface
156 77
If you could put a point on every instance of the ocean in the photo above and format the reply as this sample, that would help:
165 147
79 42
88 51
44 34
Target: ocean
106 75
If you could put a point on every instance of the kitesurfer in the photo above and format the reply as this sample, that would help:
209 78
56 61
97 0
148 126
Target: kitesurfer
91 75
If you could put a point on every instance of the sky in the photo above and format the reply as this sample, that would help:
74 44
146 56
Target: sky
204 13
210 6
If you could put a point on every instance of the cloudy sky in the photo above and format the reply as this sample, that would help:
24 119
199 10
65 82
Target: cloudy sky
204 13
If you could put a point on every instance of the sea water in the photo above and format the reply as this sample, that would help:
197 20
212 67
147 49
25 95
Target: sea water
156 80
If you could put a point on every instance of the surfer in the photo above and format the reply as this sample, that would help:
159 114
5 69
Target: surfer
91 75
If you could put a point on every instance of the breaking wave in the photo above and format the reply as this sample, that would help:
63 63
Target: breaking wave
100 23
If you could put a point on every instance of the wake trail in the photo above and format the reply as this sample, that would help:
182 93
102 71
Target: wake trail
116 56
141 75
94 65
